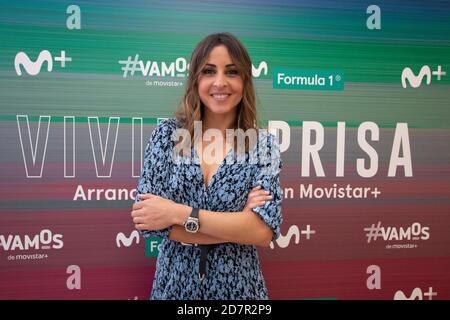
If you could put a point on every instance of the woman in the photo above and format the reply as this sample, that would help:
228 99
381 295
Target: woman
211 212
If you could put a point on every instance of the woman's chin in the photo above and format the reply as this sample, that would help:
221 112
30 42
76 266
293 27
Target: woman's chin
220 109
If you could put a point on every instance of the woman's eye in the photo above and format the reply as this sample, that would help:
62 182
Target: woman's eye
211 71
208 71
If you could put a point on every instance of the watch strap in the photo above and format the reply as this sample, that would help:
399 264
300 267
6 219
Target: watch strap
194 213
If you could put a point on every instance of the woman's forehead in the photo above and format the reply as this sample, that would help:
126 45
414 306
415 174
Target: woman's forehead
219 55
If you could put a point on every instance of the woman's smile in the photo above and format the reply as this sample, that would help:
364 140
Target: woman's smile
221 97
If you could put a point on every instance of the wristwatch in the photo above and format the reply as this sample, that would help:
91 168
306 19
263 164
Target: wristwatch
192 224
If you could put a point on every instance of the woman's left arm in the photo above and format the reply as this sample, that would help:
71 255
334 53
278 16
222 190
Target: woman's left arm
244 227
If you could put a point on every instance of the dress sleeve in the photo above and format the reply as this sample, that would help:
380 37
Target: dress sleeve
154 173
268 177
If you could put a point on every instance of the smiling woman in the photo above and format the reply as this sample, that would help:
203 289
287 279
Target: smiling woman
218 98
220 207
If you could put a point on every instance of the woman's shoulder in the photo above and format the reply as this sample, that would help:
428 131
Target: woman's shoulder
267 142
266 149
165 128
265 135
171 124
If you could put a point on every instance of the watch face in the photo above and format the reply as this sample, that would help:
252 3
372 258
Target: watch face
191 226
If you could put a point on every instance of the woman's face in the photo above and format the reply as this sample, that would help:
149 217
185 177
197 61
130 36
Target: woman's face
220 84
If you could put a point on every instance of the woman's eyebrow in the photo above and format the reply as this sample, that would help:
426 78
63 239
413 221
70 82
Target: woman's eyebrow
228 65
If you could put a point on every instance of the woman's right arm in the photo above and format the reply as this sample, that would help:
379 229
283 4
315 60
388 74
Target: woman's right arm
255 198
178 233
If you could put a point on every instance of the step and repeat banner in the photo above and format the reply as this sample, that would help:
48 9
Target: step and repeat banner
359 91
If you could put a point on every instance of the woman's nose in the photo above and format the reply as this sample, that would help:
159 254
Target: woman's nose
220 80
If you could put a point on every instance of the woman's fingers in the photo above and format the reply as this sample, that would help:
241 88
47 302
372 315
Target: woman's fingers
259 193
257 197
258 201
262 198
138 220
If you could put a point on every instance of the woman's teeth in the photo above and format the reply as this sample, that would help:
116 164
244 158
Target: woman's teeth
220 96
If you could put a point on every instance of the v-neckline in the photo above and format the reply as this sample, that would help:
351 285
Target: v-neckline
207 186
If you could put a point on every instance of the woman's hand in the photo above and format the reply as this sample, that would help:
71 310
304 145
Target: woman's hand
152 212
257 197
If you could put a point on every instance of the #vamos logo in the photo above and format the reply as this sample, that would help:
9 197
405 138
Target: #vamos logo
177 68
415 232
45 240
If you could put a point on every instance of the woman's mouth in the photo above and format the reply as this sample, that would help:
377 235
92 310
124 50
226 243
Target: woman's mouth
221 96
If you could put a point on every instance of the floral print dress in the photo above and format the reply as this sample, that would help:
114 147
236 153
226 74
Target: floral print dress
232 270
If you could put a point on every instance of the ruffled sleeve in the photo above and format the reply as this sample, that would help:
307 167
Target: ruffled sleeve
268 177
154 173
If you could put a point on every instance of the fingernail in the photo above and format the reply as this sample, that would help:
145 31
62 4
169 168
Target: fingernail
266 191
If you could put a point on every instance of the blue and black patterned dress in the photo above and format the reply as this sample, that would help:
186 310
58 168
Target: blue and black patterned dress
232 270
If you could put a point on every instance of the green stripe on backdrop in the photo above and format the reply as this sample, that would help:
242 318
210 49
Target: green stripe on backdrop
83 95
128 120
98 51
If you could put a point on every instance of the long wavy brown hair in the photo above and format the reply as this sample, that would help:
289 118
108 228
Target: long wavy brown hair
191 107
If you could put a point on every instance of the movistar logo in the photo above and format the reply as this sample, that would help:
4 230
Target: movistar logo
256 72
294 231
416 81
122 239
416 294
33 68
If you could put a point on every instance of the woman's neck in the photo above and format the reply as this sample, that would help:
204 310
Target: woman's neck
219 121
